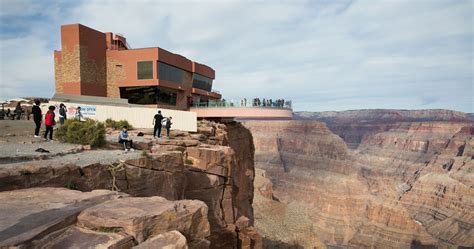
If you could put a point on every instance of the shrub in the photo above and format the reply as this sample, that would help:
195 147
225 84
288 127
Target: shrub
82 132
117 125
188 161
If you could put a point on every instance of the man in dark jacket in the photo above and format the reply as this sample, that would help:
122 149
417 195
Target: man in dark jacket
37 117
157 124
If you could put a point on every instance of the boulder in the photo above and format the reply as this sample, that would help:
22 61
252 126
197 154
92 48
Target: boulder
34 212
144 218
77 237
170 240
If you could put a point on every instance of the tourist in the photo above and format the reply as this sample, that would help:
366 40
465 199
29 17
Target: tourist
18 111
168 127
125 139
78 114
157 125
37 116
62 113
49 122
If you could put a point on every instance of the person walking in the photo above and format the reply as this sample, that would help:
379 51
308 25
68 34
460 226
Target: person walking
37 116
49 122
157 124
62 113
168 127
125 139
18 111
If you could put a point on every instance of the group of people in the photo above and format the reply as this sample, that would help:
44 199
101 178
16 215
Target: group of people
269 103
158 122
50 118
257 102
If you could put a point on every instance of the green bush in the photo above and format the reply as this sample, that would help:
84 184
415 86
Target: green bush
117 125
82 132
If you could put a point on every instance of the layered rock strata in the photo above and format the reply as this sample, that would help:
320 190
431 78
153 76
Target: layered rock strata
408 187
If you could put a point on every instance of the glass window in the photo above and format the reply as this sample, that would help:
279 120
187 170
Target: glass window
170 73
145 70
202 82
148 95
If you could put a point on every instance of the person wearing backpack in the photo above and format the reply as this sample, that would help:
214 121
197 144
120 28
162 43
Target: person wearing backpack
37 116
157 124
168 127
49 122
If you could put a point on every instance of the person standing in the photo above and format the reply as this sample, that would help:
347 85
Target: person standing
62 113
18 111
78 114
37 116
49 122
157 124
168 127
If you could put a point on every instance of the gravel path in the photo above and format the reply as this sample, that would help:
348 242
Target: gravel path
85 158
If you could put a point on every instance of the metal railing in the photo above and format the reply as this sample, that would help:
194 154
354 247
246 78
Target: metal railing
245 103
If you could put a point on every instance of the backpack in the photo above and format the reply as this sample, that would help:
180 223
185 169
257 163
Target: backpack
49 118
163 121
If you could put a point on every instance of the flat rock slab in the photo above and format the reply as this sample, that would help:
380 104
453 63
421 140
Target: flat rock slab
77 237
168 240
30 214
146 217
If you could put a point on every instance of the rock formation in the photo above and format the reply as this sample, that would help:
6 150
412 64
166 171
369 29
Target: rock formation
214 165
352 126
409 185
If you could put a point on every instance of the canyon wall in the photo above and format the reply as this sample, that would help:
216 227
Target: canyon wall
354 125
408 185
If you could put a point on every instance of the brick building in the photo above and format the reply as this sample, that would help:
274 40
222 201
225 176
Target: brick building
93 63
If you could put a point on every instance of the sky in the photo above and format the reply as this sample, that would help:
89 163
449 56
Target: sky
322 55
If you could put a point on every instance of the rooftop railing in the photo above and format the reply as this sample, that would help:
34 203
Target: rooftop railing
246 103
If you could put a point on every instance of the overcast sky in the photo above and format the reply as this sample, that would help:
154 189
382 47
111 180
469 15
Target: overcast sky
323 55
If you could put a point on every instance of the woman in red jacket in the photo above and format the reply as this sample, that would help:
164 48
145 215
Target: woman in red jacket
49 122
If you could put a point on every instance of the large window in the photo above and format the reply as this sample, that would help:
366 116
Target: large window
202 82
170 73
145 70
148 95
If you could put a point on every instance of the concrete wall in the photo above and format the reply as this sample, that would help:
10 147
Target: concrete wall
139 117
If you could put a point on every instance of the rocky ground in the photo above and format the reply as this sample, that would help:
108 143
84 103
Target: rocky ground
410 186
63 200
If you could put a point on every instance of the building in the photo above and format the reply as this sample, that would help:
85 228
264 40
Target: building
93 63
102 74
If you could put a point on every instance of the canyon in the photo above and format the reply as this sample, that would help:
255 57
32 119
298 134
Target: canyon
365 179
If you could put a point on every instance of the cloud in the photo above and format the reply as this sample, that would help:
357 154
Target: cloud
323 55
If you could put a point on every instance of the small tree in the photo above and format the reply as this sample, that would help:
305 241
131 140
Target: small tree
86 132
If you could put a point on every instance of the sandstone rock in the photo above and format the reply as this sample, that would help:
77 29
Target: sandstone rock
35 212
170 161
208 130
76 237
200 137
184 143
171 240
216 160
160 148
145 217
